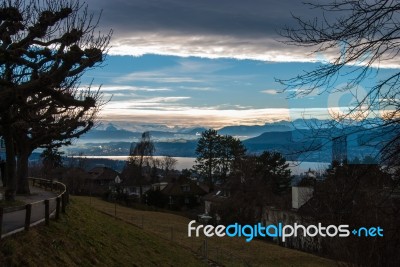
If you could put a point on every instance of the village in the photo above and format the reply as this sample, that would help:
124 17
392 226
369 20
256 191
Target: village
266 193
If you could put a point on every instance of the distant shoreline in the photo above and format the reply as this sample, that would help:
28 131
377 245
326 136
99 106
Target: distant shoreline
187 163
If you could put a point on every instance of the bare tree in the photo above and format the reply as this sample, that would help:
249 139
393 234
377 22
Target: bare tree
46 128
45 47
143 150
359 37
140 156
362 36
168 164
357 195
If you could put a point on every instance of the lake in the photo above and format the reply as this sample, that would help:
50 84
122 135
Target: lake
187 163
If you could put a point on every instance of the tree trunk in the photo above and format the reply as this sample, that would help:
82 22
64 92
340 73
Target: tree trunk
22 171
209 175
10 164
141 178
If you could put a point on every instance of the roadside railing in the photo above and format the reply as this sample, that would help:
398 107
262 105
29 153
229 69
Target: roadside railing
20 218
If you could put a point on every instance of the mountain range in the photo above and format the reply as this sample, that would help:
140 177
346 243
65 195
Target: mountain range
289 138
129 132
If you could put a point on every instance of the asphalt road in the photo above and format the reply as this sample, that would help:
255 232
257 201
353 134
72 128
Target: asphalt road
16 220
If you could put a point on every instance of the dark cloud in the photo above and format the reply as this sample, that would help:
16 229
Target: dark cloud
255 18
242 29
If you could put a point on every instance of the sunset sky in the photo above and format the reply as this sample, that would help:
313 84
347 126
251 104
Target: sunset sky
206 63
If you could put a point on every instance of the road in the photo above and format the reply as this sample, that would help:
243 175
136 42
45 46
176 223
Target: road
16 220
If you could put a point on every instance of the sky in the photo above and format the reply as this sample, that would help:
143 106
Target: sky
209 63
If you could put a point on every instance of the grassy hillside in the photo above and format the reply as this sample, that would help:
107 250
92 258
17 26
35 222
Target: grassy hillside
86 237
226 251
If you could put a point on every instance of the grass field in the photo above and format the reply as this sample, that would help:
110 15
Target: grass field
86 237
226 251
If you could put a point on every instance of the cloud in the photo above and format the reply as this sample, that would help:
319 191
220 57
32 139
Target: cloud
209 46
223 17
111 88
208 28
160 103
157 77
192 116
185 73
270 92
198 88
177 114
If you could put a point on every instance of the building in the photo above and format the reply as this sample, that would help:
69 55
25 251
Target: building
300 195
290 215
183 192
101 180
134 189
213 202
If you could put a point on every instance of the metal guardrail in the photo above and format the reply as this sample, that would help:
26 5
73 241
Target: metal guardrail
52 208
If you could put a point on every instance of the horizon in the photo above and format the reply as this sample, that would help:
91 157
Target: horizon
142 127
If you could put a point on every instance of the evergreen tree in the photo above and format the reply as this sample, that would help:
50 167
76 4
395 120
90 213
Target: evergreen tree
231 155
274 171
218 156
208 151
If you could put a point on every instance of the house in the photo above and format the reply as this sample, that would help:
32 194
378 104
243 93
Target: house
136 181
212 203
101 180
213 199
274 214
133 187
159 186
135 190
300 195
183 192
